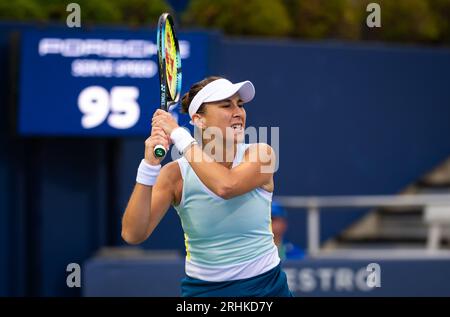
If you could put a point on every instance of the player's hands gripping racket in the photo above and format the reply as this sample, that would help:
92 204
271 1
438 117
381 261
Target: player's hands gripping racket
169 68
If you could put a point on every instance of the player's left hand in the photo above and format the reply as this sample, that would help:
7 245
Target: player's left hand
164 120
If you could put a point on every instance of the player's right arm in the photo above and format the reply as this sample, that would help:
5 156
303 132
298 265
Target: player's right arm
148 204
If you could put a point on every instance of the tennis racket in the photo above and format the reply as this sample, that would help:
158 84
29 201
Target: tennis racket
169 67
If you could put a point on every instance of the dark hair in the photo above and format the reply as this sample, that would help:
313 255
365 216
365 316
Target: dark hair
195 88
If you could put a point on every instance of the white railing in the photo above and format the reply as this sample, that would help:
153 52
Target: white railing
436 207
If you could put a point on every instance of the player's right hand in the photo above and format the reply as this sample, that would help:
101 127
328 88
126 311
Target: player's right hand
157 137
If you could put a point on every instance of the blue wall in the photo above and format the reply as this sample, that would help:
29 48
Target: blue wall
306 278
353 120
11 217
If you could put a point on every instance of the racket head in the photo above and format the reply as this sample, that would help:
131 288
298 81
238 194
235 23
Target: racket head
169 61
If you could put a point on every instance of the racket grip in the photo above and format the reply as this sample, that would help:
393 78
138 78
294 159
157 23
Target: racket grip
159 151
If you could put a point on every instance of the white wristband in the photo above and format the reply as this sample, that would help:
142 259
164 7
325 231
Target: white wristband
181 138
147 174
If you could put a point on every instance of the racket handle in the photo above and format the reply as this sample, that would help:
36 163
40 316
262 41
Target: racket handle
159 151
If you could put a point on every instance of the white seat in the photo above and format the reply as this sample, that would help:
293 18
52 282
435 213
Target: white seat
437 217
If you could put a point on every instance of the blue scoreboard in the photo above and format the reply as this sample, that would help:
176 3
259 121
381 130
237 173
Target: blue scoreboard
89 83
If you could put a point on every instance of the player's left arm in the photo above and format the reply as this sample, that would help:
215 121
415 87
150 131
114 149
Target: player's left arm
256 170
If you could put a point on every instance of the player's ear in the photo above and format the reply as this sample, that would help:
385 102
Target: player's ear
198 121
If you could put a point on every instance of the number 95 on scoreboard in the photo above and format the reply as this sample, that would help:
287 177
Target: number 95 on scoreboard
76 83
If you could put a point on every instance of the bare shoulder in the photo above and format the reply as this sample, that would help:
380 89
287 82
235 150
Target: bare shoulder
265 156
171 172
260 146
172 180
261 152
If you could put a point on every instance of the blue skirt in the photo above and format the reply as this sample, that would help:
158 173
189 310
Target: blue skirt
272 283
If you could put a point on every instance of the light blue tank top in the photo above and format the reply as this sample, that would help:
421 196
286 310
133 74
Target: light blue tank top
220 232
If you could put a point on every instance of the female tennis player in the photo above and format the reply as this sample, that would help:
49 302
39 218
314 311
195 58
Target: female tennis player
224 204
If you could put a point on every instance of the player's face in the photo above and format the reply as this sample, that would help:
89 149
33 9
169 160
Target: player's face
228 115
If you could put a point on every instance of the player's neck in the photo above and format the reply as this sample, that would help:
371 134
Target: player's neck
221 151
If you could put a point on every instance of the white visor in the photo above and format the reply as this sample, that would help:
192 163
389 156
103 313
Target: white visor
221 89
